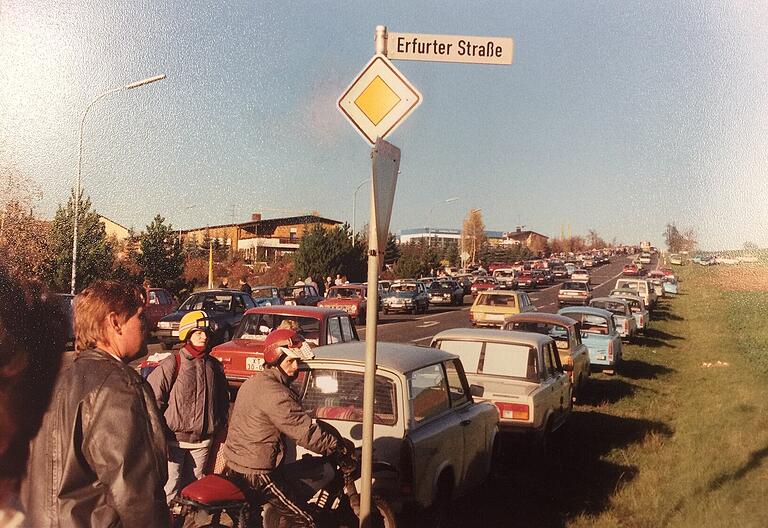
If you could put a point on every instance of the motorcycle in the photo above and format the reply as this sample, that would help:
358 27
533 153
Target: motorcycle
325 483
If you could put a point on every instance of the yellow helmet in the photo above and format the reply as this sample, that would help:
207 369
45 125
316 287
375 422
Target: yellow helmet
194 320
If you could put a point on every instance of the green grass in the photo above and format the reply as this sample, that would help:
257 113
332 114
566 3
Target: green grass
707 465
666 442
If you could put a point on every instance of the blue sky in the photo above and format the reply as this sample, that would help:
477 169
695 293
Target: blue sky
615 116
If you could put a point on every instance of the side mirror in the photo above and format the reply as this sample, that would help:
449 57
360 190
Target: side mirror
477 390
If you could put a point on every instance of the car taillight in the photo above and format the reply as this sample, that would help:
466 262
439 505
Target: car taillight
471 316
626 326
610 351
406 467
513 411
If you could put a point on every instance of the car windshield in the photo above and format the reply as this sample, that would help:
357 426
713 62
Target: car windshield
612 306
488 299
442 286
557 332
332 394
590 324
497 359
399 288
209 302
293 292
344 292
257 326
260 293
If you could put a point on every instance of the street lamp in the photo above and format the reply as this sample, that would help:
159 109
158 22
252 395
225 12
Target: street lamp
429 216
130 86
354 206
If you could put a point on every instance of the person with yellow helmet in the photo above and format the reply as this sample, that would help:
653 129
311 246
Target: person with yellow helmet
192 393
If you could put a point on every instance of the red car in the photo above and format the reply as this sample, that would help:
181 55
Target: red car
350 298
242 356
630 270
159 303
482 284
527 280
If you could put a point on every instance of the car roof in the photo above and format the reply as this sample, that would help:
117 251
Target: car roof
501 292
216 290
587 310
490 334
399 357
301 311
540 317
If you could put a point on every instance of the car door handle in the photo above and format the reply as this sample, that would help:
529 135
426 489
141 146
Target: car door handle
465 422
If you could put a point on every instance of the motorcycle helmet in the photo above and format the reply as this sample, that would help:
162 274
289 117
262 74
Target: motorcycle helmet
195 320
284 342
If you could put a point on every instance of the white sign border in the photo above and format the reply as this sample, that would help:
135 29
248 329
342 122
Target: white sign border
393 77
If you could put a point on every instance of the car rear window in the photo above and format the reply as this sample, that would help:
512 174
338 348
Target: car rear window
258 326
506 359
496 359
208 302
581 286
345 292
611 306
338 395
486 299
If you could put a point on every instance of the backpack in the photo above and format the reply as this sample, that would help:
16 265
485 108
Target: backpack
148 365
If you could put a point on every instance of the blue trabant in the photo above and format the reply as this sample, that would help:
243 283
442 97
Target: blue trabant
599 333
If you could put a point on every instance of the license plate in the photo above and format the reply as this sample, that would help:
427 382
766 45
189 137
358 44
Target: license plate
254 363
495 317
174 333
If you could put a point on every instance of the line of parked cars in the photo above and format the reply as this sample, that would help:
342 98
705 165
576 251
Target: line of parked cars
440 411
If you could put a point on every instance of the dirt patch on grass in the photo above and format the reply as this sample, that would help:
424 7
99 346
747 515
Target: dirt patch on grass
739 278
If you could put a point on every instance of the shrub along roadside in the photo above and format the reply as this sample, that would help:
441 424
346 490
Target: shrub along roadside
712 469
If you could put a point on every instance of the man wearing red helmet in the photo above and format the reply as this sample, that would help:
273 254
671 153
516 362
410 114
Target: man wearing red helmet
267 408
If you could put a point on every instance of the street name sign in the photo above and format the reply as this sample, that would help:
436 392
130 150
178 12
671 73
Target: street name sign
379 99
449 48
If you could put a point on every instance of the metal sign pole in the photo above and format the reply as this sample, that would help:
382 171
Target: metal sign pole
370 368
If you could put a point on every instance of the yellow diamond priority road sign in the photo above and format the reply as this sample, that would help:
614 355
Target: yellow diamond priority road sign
379 99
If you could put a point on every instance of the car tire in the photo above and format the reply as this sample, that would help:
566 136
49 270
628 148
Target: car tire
360 319
415 309
226 335
439 513
385 311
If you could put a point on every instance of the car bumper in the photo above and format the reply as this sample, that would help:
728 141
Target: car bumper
398 307
581 301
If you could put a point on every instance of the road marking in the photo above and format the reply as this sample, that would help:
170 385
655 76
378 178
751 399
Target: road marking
551 304
438 314
421 339
427 324
606 282
534 298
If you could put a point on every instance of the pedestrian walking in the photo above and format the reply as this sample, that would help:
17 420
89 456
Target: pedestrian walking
191 391
100 456
245 287
33 332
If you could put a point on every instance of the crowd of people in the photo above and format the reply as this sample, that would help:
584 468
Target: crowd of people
87 441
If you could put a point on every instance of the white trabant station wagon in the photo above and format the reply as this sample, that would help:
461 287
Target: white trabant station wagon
520 372
426 421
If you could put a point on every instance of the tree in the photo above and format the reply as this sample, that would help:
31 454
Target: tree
24 250
22 247
94 252
323 252
473 233
410 264
677 241
161 259
392 250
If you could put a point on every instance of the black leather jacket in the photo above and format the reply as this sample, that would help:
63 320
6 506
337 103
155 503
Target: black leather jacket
100 456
